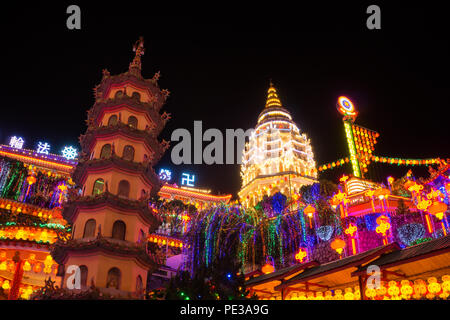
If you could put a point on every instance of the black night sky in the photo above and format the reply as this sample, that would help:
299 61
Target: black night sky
217 63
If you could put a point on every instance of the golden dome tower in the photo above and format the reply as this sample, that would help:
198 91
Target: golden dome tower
277 157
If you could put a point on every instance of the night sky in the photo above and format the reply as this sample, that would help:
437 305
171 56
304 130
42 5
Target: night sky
217 67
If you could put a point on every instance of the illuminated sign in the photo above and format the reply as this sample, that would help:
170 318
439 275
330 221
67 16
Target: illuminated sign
345 106
187 180
69 153
352 149
16 142
43 147
165 175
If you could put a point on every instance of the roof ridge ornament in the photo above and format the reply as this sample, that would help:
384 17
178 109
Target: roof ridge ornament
136 65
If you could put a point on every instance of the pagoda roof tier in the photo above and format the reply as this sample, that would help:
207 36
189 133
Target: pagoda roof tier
107 199
108 246
147 109
158 148
115 162
109 82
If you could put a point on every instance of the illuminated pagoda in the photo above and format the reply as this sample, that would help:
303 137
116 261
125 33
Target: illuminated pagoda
278 157
111 216
33 187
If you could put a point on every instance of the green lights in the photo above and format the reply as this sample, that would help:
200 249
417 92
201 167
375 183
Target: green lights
352 148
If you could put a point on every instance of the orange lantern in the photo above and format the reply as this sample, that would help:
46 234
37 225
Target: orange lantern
438 209
381 193
31 180
338 245
268 268
309 211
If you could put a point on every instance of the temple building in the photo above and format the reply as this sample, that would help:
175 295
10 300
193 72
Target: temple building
33 188
277 157
200 198
111 217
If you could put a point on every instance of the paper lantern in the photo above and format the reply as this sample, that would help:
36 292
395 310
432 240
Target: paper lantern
31 180
338 245
381 193
268 268
309 211
438 209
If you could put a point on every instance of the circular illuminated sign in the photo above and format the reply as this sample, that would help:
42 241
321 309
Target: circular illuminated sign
345 106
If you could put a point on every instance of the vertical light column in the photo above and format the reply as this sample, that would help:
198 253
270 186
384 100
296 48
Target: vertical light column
352 149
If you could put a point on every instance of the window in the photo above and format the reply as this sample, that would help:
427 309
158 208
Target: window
128 153
105 153
141 236
89 228
112 121
139 285
113 279
118 94
124 189
83 276
136 95
119 229
133 122
99 186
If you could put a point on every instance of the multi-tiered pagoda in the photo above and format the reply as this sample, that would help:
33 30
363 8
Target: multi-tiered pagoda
111 217
278 157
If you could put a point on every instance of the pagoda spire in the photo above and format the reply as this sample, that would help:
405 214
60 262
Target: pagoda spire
136 65
272 97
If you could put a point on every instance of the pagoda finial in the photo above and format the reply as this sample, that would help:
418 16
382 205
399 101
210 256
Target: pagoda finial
138 48
272 97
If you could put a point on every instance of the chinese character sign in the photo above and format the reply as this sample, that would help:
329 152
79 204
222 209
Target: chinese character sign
188 180
43 147
165 175
16 142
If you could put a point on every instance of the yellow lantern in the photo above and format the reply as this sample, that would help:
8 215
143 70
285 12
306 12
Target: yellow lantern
371 293
433 286
393 289
420 288
381 290
338 295
26 266
328 295
6 285
319 296
349 294
406 289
